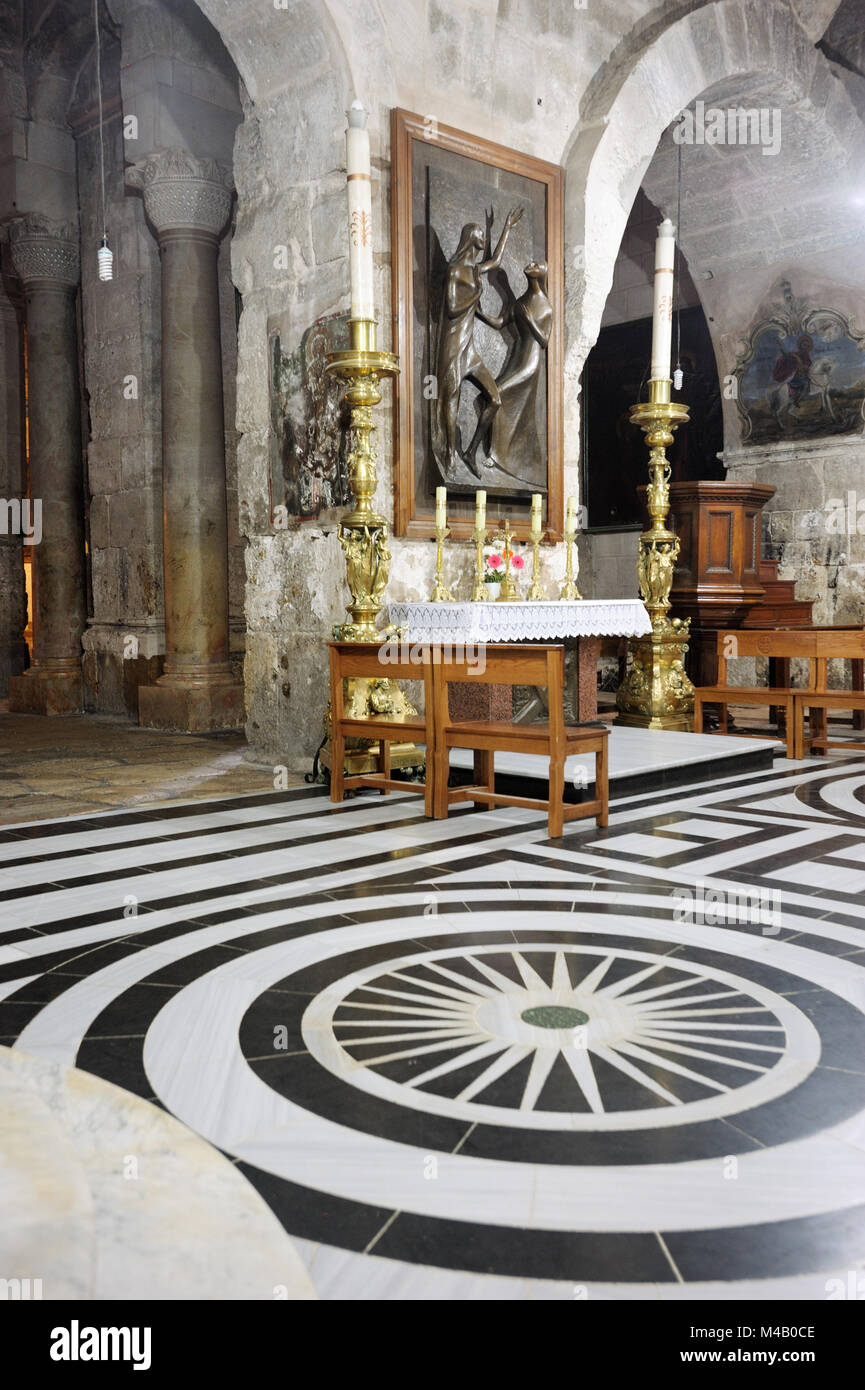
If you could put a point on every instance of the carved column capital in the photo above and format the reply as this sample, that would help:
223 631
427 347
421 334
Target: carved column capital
183 192
45 250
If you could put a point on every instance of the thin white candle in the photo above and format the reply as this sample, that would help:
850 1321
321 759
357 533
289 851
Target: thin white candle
662 312
441 506
537 524
359 185
480 509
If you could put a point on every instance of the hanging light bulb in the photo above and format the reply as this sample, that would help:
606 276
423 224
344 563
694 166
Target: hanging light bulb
678 378
105 256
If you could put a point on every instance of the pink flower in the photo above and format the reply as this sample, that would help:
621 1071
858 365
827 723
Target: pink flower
517 562
494 561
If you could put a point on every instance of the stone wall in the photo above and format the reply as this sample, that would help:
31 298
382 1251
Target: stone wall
593 89
13 604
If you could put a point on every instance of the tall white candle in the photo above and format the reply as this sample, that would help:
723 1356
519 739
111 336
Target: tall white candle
537 526
480 509
359 184
662 311
441 506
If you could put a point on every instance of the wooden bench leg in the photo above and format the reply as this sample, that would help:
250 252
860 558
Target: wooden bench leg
698 715
556 808
384 761
484 772
429 784
337 767
602 791
858 683
789 727
441 771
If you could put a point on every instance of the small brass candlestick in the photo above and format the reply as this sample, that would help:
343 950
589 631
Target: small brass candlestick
569 588
507 589
441 593
536 588
479 592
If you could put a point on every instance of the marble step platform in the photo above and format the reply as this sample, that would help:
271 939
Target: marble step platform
645 759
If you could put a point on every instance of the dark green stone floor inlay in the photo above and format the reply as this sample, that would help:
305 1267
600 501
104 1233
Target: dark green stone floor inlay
554 1016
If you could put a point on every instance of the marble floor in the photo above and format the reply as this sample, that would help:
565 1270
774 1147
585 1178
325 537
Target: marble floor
460 1060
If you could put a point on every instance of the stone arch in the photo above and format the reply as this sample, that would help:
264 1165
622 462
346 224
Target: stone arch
627 112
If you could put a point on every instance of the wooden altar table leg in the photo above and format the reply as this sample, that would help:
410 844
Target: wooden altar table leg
858 684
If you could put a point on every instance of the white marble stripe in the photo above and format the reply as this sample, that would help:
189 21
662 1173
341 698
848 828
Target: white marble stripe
345 1274
457 837
215 823
452 890
222 842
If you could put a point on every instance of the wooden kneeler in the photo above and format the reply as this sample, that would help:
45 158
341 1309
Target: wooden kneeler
362 659
515 664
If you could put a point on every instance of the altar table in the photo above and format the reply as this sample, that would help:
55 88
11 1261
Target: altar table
579 624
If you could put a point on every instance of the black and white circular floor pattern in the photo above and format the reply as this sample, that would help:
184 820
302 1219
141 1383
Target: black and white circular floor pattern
574 1088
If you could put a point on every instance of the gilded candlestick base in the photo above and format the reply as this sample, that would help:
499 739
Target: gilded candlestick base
656 692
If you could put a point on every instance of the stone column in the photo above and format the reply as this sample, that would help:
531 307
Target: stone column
13 599
45 256
187 201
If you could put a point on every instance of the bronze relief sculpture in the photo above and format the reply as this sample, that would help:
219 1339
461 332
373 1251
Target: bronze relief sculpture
505 450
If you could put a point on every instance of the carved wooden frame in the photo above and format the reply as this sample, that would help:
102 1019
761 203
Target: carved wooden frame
410 519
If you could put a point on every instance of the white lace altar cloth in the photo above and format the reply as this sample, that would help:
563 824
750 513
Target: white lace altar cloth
547 620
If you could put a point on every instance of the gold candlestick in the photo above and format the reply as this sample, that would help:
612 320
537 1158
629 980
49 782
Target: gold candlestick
441 593
656 693
479 592
536 588
569 588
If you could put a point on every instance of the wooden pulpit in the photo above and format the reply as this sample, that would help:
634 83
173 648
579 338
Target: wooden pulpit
717 577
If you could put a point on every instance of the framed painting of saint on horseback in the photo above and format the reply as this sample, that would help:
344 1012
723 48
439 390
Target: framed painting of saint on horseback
801 371
478 311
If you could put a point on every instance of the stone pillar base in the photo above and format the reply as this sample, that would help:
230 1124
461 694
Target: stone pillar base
38 692
191 709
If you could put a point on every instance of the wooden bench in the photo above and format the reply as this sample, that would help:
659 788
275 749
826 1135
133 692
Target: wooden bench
515 664
734 643
362 659
846 644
